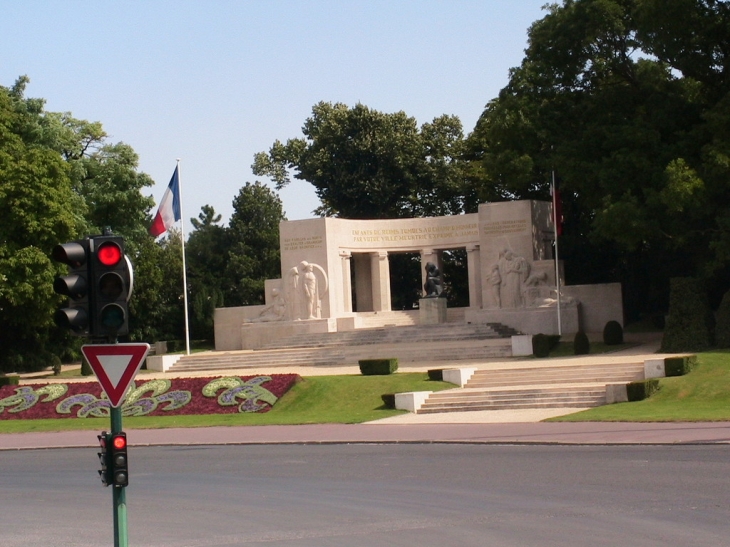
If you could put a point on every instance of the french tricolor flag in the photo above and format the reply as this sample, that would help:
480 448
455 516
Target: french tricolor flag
169 211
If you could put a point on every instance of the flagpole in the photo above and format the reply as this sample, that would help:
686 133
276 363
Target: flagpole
555 234
185 277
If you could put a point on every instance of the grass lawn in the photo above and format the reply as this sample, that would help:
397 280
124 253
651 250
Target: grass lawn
702 395
316 399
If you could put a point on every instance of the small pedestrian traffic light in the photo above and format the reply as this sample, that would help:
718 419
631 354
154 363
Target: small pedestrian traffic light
119 460
104 472
78 315
111 286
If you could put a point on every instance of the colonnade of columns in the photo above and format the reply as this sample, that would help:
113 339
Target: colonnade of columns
372 277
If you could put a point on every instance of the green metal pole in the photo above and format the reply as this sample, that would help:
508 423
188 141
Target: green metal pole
119 496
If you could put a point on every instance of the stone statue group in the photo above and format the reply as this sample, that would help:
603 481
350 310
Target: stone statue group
304 287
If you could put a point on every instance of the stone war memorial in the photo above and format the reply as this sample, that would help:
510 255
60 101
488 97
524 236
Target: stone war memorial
335 277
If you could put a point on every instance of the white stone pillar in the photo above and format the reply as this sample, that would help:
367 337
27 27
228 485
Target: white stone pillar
473 261
345 257
380 273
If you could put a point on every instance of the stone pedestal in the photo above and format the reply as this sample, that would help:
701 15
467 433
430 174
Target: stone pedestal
431 311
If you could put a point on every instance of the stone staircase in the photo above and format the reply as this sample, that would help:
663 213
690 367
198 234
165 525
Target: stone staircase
411 343
560 386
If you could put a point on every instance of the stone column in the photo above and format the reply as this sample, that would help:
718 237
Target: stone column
380 274
345 257
473 261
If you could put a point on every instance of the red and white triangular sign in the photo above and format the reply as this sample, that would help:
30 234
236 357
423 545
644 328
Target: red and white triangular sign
115 366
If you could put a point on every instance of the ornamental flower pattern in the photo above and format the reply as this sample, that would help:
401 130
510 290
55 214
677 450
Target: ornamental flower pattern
177 396
255 397
25 397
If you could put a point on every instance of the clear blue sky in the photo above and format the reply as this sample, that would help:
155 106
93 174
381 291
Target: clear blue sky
213 82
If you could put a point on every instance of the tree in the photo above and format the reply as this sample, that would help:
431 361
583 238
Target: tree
61 180
638 144
207 256
254 245
36 209
367 164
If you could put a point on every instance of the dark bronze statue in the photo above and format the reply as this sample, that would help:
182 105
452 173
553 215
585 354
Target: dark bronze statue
433 286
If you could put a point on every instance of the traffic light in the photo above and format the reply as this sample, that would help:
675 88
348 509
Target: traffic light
119 463
111 286
104 472
76 286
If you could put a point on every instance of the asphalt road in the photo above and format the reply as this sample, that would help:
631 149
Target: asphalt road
375 495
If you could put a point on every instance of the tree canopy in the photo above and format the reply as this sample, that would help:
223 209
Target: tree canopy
627 101
368 164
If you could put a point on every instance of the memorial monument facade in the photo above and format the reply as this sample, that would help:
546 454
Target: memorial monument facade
336 275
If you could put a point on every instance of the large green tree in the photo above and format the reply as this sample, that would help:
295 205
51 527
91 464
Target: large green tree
36 209
630 114
368 164
207 260
253 236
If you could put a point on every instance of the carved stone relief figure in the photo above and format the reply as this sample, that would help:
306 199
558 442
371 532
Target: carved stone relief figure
495 280
293 302
277 311
508 279
305 287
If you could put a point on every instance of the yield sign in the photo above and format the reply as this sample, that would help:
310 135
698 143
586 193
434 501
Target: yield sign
115 366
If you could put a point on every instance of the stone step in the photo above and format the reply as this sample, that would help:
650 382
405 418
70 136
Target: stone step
516 406
424 352
394 335
555 375
527 391
461 400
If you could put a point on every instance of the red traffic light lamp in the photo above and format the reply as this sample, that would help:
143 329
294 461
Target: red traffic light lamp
111 286
119 460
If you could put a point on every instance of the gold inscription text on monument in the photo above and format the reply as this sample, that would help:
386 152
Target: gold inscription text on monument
301 243
423 234
503 227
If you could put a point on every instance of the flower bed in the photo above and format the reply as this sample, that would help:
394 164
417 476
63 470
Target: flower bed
178 396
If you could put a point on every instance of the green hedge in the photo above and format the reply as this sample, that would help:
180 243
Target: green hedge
638 391
581 344
722 323
9 380
679 366
378 367
613 333
690 321
388 400
541 345
436 374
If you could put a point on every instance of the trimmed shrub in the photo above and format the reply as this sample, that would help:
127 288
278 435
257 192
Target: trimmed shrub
679 366
553 341
638 391
388 400
378 367
613 333
541 345
581 344
690 320
436 374
86 369
9 380
722 323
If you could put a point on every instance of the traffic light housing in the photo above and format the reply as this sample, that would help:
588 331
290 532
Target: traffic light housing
119 475
77 316
111 285
104 455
